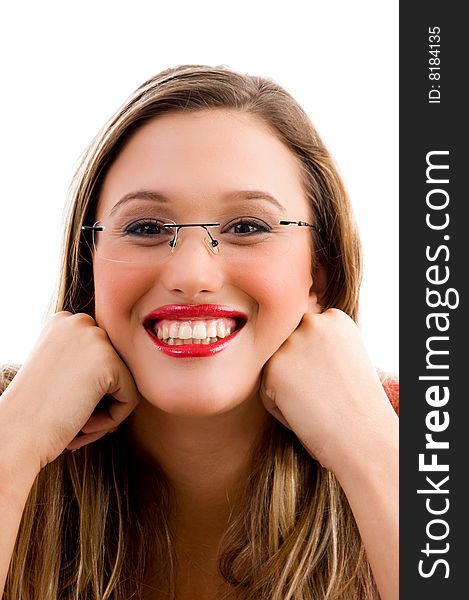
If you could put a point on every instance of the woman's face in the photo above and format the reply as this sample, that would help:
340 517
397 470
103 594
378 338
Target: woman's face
204 164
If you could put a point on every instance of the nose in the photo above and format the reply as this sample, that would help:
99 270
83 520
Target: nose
192 269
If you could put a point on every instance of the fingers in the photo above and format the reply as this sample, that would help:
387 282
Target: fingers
125 395
115 407
275 412
105 420
84 440
100 422
111 414
271 407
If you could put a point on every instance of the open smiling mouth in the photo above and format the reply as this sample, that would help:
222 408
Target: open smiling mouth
195 336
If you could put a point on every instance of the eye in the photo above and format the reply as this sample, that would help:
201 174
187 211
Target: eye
148 228
247 226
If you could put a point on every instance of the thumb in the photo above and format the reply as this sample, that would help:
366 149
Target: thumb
268 400
116 405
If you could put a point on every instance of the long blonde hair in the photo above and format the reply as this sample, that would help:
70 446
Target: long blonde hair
85 533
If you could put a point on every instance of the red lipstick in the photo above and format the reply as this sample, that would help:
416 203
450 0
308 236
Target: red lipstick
183 312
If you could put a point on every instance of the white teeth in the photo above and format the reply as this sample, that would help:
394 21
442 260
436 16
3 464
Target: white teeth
194 331
180 342
201 331
211 329
185 331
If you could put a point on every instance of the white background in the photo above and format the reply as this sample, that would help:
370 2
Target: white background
66 67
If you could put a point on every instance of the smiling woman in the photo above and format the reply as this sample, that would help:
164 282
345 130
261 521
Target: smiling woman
206 320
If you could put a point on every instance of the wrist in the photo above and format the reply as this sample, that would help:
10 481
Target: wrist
372 458
19 465
14 489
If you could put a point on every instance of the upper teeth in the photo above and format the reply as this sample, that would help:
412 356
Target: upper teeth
195 329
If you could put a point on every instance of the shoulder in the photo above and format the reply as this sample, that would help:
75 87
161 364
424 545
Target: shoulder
390 383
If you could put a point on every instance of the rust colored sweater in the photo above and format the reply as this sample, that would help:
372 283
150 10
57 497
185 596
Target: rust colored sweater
391 387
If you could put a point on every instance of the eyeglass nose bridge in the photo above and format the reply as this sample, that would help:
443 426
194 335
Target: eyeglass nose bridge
211 243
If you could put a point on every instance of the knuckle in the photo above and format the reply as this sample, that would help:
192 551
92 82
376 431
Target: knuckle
83 318
61 314
338 314
334 313
334 317
57 319
100 336
106 382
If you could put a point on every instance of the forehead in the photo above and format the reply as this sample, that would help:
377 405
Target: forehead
197 158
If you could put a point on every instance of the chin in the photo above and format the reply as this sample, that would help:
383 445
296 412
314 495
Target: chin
199 399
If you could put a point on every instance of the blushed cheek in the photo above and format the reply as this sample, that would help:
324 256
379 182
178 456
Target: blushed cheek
282 297
286 286
289 298
117 289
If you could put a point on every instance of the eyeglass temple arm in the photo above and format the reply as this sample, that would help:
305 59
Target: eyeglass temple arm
300 224
92 228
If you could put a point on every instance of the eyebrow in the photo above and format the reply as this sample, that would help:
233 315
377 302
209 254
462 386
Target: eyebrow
255 195
140 195
163 199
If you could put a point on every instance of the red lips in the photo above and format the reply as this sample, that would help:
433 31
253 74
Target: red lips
183 312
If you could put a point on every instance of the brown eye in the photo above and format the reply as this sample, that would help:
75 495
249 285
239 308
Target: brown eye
148 228
246 227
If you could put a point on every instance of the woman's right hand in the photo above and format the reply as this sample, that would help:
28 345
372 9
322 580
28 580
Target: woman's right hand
53 397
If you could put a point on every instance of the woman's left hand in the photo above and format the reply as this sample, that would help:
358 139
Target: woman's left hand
322 385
